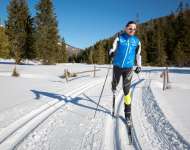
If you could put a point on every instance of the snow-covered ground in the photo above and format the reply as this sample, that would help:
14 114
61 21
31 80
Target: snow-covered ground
40 110
163 116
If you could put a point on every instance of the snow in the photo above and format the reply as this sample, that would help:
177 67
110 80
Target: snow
160 118
163 121
175 101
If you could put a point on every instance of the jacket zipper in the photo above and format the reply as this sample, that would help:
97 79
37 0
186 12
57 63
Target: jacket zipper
127 51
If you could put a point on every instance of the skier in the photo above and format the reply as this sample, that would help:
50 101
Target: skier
125 52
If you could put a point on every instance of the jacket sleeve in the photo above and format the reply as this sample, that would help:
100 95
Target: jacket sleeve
114 47
138 55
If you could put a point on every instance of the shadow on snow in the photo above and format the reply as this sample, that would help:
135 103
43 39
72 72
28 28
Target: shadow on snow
76 101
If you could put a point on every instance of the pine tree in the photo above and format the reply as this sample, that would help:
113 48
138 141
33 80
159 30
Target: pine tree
141 33
186 39
18 14
106 48
46 32
99 55
90 56
161 57
30 52
180 22
182 25
170 37
179 55
4 44
62 53
151 47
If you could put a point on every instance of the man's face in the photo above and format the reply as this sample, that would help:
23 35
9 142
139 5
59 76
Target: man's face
131 29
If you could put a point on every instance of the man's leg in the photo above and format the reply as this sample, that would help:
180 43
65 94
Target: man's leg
116 77
127 76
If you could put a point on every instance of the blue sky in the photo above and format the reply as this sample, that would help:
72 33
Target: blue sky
84 22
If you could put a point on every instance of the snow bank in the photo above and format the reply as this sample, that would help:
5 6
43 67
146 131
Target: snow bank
153 129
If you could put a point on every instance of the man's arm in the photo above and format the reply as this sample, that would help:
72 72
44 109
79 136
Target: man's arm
138 59
138 55
114 47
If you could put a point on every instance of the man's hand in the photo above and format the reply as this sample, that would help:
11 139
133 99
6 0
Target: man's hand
112 54
137 70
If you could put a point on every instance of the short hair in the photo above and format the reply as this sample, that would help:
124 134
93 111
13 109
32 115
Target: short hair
130 22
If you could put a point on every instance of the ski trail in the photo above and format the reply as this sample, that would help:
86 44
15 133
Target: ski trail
21 129
72 126
120 130
116 133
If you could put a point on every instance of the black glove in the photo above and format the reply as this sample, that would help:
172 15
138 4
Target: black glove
112 54
137 70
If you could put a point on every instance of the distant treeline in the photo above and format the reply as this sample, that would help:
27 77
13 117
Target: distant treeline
27 37
165 41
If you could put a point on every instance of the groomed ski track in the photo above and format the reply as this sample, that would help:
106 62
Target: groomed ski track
61 114
17 131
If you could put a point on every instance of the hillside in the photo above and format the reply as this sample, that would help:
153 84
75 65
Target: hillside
71 50
165 41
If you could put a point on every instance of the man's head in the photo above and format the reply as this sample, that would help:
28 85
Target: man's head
130 28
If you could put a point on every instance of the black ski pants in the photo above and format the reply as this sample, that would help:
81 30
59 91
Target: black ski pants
126 74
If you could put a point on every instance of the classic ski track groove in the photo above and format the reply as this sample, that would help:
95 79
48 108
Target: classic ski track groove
116 123
119 144
18 130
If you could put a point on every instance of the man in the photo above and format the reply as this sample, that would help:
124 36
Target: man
126 49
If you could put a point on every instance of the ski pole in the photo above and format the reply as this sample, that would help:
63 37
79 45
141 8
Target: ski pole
113 105
102 89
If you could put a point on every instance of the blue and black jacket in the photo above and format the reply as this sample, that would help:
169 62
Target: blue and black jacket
127 51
